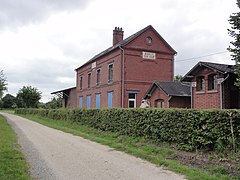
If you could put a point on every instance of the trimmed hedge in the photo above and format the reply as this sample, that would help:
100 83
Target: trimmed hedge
190 129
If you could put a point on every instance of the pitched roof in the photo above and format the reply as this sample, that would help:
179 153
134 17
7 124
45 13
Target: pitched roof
170 88
125 42
221 68
63 90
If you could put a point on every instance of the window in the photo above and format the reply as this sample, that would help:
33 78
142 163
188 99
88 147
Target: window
98 76
132 100
149 40
159 103
98 100
88 101
89 80
80 101
212 82
110 73
200 83
81 82
110 99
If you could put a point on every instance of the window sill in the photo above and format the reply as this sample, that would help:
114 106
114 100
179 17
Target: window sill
212 91
200 92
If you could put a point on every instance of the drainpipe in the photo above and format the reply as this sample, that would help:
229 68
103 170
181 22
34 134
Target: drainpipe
122 76
221 95
169 101
191 91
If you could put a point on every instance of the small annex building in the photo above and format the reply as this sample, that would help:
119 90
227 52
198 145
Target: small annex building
68 97
169 95
212 86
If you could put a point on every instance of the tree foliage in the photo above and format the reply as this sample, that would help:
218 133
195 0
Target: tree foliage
3 84
178 77
28 97
55 103
234 32
9 101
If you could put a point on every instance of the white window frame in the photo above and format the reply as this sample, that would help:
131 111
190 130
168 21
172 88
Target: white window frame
134 100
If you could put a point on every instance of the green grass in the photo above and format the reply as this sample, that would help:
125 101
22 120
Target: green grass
159 154
10 111
12 161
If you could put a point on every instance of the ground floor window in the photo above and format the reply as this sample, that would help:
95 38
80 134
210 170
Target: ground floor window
132 100
159 103
88 101
80 102
98 100
110 99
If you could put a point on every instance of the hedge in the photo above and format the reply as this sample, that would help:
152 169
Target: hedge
189 129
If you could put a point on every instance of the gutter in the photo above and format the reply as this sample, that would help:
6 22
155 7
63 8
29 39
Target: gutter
221 95
123 61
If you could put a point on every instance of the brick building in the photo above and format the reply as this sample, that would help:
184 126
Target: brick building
169 95
212 86
121 75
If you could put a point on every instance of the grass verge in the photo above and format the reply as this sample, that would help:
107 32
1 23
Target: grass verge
12 161
159 154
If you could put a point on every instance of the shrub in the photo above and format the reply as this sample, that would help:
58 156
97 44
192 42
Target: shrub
189 129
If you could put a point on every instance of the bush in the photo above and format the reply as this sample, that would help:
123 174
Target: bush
189 129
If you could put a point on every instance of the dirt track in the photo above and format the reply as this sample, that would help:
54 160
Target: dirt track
53 154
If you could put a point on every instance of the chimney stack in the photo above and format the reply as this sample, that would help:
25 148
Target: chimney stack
117 35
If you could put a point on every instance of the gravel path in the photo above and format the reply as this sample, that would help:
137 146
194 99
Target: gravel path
53 154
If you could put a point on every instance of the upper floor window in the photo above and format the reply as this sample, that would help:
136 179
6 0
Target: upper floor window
89 80
81 82
212 82
200 83
98 76
110 73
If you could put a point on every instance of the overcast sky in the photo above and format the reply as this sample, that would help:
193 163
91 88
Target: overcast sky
43 41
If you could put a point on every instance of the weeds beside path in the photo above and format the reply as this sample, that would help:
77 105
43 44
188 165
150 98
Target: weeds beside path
12 161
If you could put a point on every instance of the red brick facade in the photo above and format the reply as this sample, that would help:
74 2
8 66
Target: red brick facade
218 92
136 63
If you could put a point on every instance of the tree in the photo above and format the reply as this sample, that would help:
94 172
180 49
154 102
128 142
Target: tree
178 78
9 101
54 103
28 97
234 32
3 84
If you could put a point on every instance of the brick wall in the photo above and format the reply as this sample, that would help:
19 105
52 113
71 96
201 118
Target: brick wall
180 102
206 99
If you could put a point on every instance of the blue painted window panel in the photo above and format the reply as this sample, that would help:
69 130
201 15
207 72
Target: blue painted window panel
110 99
98 100
88 101
80 102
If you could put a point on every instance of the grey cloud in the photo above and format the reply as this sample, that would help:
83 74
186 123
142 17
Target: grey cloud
41 72
17 13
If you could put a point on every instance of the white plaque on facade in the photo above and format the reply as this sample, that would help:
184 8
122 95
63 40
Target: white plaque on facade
94 65
148 55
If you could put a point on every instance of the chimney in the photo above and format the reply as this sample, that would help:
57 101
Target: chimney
117 35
